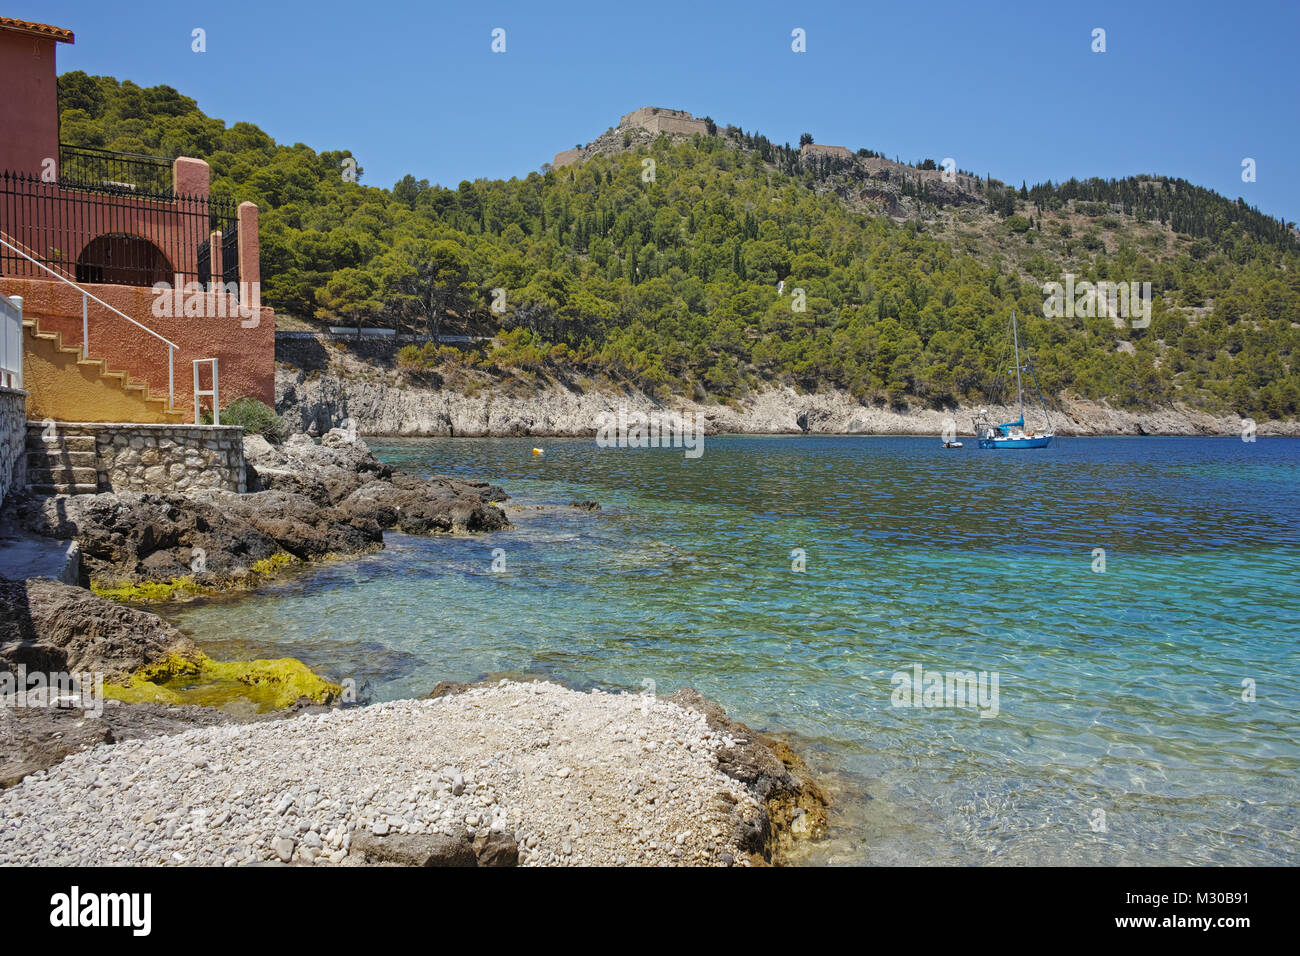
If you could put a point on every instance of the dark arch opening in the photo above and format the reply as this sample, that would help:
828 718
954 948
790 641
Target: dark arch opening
119 258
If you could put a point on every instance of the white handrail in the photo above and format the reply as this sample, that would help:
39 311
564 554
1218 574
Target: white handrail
66 281
85 322
216 404
11 341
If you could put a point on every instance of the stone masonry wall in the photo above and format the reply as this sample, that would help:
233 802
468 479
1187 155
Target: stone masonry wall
131 457
567 158
672 124
13 439
820 149
656 119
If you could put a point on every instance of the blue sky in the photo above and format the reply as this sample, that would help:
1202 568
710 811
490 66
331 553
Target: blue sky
1184 88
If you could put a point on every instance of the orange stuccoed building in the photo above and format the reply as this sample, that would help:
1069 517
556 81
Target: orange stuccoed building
134 282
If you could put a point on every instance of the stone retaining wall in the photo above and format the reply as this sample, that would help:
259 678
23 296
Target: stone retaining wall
656 119
132 457
567 157
13 439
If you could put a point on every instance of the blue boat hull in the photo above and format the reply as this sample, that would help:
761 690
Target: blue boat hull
1016 442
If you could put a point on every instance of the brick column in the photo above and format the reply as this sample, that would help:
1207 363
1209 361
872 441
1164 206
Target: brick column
250 269
214 254
191 178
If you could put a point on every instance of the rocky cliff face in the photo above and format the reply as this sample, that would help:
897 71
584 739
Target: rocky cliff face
324 401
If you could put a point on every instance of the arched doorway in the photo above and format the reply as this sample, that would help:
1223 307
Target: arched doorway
120 258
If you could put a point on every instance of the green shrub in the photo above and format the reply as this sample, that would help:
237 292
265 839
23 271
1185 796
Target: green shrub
253 416
418 357
426 357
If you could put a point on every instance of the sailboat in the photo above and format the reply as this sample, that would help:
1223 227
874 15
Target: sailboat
1013 434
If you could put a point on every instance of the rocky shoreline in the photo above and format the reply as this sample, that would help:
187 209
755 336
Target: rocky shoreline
318 401
315 502
500 774
494 774
307 502
549 775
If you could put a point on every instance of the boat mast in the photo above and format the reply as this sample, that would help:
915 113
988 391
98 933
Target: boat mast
1020 394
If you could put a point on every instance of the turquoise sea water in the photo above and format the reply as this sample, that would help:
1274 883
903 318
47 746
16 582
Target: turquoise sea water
1121 735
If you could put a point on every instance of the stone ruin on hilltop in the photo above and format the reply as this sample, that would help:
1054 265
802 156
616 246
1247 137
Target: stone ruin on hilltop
882 179
650 119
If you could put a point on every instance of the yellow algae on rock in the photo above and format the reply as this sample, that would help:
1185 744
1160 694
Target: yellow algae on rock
149 592
154 592
198 679
268 566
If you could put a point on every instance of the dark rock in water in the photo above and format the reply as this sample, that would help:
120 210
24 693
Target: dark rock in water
311 505
52 627
48 627
335 498
327 473
341 473
295 524
437 849
434 505
215 536
585 505
488 492
793 804
316 500
446 688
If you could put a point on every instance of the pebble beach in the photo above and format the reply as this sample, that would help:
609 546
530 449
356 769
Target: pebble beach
529 773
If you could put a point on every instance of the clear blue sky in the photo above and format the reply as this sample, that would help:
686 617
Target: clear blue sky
1185 88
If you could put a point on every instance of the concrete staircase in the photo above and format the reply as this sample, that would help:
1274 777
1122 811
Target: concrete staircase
66 385
62 465
83 383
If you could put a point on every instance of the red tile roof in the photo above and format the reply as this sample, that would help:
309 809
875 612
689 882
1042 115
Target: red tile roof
36 29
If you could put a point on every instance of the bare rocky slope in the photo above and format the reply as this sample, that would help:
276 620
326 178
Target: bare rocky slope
319 401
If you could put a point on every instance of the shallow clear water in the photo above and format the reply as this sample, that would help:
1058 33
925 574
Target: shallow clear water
1121 735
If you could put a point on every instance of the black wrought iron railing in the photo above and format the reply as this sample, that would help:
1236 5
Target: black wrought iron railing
229 250
230 254
138 237
102 170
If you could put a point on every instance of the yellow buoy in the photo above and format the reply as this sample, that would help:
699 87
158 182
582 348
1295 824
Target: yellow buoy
538 451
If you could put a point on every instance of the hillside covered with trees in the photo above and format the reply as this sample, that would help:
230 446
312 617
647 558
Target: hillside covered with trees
671 284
